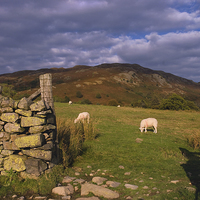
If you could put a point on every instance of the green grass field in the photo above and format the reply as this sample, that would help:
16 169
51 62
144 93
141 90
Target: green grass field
155 162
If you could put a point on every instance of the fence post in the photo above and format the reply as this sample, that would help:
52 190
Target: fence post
47 97
46 90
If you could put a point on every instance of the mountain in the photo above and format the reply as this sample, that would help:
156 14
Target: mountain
126 83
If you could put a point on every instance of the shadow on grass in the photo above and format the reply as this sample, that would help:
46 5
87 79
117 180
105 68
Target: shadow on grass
192 169
97 136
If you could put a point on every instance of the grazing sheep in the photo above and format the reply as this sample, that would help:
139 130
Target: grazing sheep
149 122
82 117
70 102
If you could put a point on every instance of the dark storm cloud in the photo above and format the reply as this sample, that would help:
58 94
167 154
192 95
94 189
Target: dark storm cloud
161 35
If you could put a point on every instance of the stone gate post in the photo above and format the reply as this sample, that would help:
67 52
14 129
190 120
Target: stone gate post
47 97
46 90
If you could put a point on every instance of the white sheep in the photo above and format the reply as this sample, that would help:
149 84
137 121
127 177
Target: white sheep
149 122
82 117
70 102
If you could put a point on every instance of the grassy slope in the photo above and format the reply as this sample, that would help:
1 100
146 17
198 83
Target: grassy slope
158 156
126 83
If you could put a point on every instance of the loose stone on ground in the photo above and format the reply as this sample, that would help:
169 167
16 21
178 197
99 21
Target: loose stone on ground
98 191
112 184
98 180
63 190
88 198
133 187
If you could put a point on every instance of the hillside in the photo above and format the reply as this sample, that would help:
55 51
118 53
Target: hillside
126 83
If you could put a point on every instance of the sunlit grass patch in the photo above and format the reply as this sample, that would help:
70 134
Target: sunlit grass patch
90 130
71 137
193 138
155 162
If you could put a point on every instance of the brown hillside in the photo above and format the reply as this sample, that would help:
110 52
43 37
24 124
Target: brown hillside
126 83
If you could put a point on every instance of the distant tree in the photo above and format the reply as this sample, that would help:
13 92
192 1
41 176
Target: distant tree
57 99
79 94
67 99
98 96
176 102
192 105
140 103
113 102
143 104
8 90
35 83
86 101
155 102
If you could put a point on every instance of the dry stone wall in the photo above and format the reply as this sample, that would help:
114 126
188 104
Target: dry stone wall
27 137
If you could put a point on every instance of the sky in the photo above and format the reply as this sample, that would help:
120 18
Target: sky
157 34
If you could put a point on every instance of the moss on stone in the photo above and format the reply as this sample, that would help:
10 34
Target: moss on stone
13 128
15 162
9 117
36 129
30 141
32 121
38 106
41 154
26 113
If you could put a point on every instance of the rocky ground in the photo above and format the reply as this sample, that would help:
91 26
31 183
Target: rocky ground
99 187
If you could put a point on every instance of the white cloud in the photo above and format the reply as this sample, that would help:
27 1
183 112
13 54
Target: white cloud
161 35
172 50
10 69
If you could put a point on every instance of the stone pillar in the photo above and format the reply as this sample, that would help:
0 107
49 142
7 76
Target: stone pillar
46 90
47 97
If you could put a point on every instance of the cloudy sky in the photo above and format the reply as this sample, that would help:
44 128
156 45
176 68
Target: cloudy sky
157 34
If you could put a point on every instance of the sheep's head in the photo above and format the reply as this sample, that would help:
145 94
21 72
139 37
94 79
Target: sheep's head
75 121
141 129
